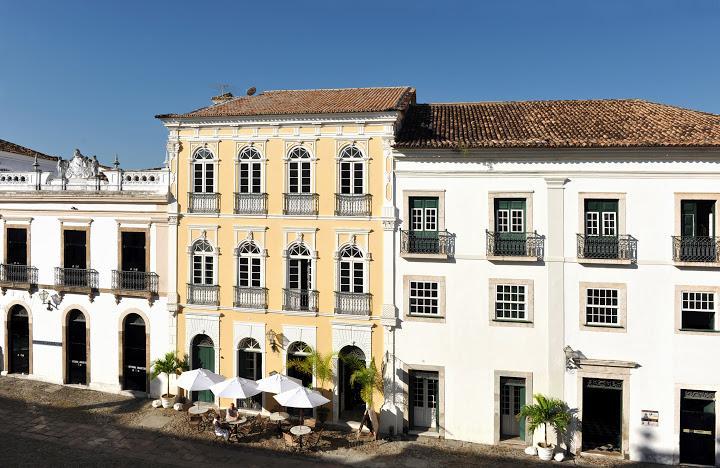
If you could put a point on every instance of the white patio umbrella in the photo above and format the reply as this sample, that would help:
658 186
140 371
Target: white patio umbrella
278 383
236 387
301 397
198 379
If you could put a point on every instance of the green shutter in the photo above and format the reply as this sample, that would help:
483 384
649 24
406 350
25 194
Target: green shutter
521 427
689 213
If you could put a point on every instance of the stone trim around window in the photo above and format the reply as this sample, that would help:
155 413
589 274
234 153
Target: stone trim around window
405 382
528 376
407 194
527 196
619 196
529 304
679 289
677 230
440 318
621 327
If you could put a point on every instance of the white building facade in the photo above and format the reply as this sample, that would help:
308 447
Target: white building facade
87 257
586 274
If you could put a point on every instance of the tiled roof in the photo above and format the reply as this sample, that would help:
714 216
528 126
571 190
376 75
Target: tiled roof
557 124
10 147
308 101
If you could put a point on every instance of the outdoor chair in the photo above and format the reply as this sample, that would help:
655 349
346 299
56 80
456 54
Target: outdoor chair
198 422
310 422
290 441
312 441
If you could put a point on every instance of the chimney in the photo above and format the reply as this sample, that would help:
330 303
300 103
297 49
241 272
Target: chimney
222 98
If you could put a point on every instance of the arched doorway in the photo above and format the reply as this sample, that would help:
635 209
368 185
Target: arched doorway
134 353
351 404
203 355
249 363
19 340
76 348
299 351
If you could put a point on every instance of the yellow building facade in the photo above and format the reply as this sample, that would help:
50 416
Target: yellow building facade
282 199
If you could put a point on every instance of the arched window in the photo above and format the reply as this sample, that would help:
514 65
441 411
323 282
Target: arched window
299 171
299 267
249 363
352 270
249 265
299 351
249 171
203 171
203 256
352 171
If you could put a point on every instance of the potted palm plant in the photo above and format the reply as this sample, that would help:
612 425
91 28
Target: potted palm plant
546 412
169 364
320 366
370 380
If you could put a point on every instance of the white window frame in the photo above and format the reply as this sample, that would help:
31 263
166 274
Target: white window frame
290 257
242 252
352 261
203 255
292 157
712 299
205 162
621 325
602 309
243 159
357 158
521 290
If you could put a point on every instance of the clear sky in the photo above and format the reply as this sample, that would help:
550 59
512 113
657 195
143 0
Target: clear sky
82 74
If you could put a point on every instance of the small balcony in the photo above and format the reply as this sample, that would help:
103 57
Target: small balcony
515 246
606 249
301 204
135 283
353 205
203 294
358 304
427 244
77 280
17 277
203 202
250 298
251 203
300 300
695 249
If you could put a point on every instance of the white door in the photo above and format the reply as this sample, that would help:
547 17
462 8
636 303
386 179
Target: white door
425 399
512 395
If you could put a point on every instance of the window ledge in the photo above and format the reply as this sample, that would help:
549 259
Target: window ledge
698 264
425 318
596 327
608 261
429 256
503 258
696 331
354 316
511 323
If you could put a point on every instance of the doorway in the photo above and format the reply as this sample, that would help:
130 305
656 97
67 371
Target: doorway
134 353
424 398
19 340
76 342
133 260
75 257
512 399
352 406
697 427
602 415
203 356
17 255
249 362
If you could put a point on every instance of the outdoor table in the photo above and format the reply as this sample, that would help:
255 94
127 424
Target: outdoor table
234 426
300 431
197 410
279 417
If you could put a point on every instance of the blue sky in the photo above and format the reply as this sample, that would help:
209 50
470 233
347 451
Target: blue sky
92 75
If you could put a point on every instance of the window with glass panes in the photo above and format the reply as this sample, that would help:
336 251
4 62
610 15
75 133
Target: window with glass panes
203 264
203 171
424 298
424 215
601 217
602 306
510 302
698 310
299 171
352 270
249 266
249 171
510 215
352 171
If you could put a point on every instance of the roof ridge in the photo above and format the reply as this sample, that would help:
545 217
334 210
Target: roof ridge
539 100
335 89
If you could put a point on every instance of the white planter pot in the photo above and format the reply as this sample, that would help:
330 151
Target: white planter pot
168 401
545 453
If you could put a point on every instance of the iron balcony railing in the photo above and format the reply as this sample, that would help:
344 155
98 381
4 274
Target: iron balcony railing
251 203
140 281
203 202
77 277
301 203
250 298
353 205
696 248
427 242
18 274
515 244
300 299
607 247
352 303
203 294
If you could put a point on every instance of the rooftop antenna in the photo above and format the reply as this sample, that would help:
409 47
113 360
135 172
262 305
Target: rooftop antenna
222 88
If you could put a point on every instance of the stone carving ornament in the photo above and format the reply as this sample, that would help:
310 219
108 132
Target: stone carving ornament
79 167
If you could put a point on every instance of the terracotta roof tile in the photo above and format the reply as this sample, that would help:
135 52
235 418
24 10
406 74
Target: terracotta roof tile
10 147
557 124
308 101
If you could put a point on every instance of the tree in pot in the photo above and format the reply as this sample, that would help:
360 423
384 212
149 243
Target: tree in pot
320 366
546 412
370 380
169 364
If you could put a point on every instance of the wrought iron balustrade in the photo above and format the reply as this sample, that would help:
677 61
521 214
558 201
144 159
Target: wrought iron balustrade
695 249
300 299
301 203
203 202
352 303
431 243
251 203
515 244
18 274
140 281
607 247
77 278
251 298
353 205
203 294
